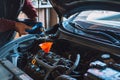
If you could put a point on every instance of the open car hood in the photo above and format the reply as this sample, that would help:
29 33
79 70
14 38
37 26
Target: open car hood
67 7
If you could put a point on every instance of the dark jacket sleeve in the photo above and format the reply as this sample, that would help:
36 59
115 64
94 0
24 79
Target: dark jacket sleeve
29 10
6 25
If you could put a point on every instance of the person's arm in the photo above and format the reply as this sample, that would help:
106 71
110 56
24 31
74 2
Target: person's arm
29 10
6 25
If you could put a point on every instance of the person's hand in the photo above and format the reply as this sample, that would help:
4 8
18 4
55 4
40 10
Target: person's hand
21 28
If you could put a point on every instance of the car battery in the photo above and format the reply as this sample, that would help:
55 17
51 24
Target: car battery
100 71
9 72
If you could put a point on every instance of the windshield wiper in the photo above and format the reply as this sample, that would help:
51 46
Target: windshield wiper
98 33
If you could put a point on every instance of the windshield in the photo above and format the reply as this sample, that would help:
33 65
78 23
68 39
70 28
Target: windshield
109 18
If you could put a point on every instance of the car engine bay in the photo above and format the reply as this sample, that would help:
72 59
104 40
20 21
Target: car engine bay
66 60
